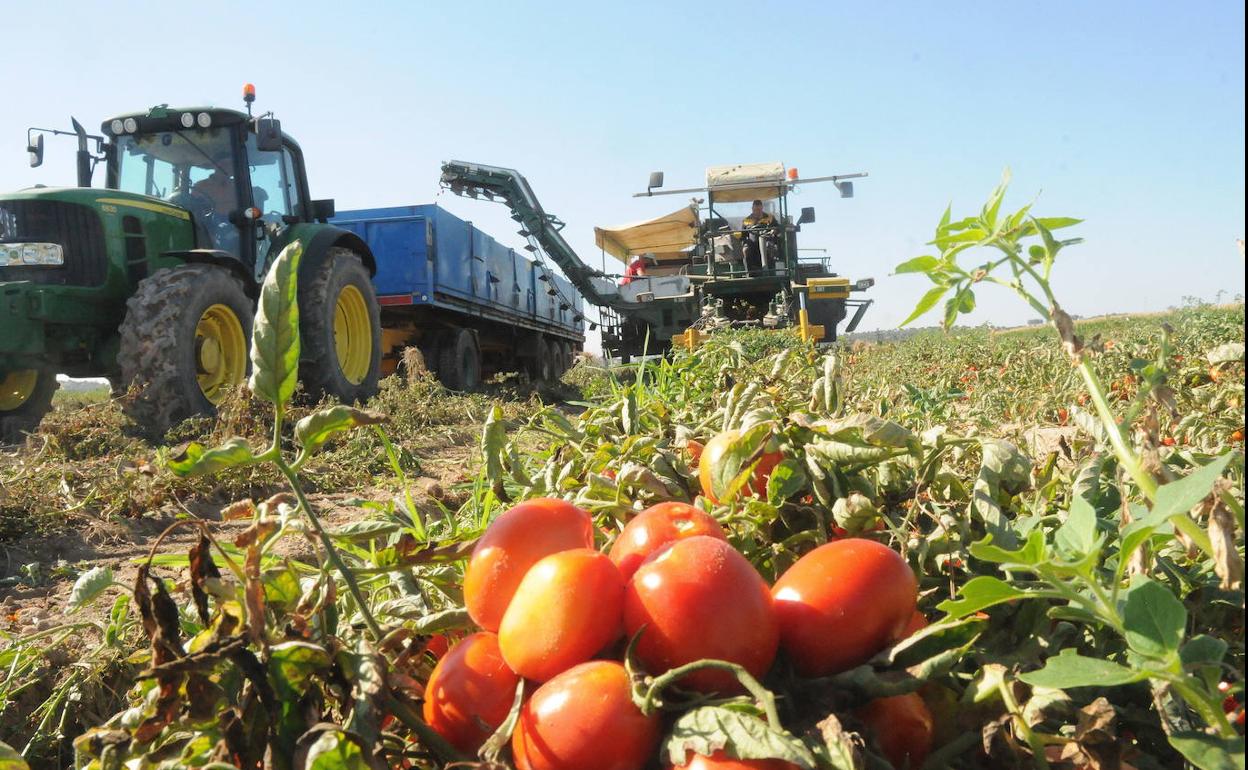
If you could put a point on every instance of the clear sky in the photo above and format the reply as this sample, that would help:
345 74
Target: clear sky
1128 114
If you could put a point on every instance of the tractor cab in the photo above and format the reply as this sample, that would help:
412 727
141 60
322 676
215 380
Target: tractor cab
241 179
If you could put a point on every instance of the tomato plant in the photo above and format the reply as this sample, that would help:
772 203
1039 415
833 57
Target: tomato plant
714 455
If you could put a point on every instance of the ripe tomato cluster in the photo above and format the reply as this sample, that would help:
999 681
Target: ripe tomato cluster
555 611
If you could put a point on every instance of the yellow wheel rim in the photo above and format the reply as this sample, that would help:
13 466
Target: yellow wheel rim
16 388
220 352
353 335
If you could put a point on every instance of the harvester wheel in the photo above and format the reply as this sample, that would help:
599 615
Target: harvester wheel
25 397
340 327
184 342
565 357
459 361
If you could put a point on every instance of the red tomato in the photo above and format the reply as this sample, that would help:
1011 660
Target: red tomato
917 622
513 543
842 603
695 448
712 456
584 719
470 692
569 606
437 646
720 761
699 598
902 727
657 526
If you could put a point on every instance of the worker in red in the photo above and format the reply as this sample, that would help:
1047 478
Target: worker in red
635 269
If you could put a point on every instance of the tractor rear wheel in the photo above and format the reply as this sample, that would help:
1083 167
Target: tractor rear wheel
184 342
25 397
459 361
340 327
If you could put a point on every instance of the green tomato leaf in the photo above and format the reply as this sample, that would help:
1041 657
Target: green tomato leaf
740 735
1077 538
926 303
980 593
293 664
195 460
87 587
1179 497
1031 554
275 339
1208 752
735 466
786 480
1070 669
1202 650
1155 619
1057 223
334 750
917 265
319 427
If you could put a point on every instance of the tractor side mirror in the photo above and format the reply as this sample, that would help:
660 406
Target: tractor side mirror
268 134
807 216
846 188
323 210
35 148
656 180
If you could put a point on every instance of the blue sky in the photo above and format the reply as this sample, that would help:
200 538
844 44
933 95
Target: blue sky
1128 114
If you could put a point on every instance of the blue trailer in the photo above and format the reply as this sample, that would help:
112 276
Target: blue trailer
472 306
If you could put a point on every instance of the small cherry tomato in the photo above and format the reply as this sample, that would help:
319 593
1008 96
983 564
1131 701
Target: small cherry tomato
470 692
514 542
568 607
712 457
902 727
584 719
720 761
700 598
657 526
842 603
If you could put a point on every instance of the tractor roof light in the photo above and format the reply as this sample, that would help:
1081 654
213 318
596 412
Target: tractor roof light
188 120
792 175
117 127
249 92
130 125
203 119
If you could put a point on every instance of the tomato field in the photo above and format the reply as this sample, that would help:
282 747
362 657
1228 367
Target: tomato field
970 549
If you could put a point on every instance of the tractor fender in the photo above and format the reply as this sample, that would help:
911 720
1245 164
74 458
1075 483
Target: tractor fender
318 239
221 259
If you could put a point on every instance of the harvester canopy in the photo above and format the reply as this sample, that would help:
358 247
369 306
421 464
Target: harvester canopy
662 236
745 182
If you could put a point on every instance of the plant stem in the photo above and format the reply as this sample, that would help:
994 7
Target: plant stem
1117 438
1034 742
761 694
331 552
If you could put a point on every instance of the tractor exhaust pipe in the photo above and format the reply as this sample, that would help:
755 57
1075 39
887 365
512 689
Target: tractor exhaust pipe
84 155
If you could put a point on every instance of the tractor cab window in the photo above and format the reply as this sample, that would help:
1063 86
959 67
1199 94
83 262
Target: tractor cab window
274 188
193 169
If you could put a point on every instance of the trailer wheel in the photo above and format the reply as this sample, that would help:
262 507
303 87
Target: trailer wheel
340 330
184 341
565 357
459 361
25 397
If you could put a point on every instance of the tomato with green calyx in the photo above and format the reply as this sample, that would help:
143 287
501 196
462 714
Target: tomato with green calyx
568 607
657 526
699 598
584 719
721 761
902 727
842 603
715 453
514 542
470 692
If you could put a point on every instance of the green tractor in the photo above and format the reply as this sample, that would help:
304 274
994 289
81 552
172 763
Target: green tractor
151 281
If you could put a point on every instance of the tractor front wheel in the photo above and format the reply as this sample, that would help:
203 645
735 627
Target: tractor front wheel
184 342
25 397
340 329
